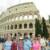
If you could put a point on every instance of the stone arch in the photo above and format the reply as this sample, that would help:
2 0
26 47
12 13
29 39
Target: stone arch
25 25
20 26
11 26
30 25
30 34
15 26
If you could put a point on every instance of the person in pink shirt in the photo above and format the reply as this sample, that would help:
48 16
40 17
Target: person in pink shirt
21 42
36 44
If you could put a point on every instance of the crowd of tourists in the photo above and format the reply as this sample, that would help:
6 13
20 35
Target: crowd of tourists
25 42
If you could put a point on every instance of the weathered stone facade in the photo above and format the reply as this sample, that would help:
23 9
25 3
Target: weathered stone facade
19 18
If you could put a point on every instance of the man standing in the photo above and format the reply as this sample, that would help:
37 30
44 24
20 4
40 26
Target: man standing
27 42
43 43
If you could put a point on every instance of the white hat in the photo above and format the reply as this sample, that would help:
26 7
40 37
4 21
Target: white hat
21 38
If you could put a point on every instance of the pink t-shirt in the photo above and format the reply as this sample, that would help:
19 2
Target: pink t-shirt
21 45
36 45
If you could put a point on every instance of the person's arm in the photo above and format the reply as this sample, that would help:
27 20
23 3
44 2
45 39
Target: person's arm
31 48
39 47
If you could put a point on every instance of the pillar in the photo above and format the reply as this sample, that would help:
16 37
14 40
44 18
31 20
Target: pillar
17 26
27 25
22 25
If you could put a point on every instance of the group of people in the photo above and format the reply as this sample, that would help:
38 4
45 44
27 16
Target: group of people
25 42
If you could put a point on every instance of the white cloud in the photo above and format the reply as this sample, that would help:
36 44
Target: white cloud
44 7
3 5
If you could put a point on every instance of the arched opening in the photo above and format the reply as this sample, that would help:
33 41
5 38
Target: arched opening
11 26
25 25
15 26
15 34
30 25
20 26
30 34
25 17
30 16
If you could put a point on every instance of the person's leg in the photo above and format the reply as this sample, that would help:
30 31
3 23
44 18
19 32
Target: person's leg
41 48
44 48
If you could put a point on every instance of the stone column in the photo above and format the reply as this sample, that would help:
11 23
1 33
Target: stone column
9 27
17 26
27 17
27 25
14 18
33 24
18 18
22 25
33 17
23 17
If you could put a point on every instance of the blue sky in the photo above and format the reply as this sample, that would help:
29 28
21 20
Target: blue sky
42 5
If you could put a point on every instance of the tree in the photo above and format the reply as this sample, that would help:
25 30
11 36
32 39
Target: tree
45 31
49 18
38 29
